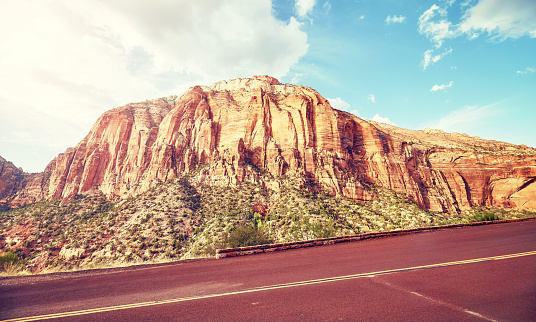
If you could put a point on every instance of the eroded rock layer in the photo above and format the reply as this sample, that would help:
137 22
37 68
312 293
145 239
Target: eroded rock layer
233 129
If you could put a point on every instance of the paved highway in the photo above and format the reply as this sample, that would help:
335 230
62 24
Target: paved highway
480 273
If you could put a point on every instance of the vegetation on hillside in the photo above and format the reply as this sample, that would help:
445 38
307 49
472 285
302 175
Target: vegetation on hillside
183 219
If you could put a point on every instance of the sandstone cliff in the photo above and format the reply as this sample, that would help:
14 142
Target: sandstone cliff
241 128
12 179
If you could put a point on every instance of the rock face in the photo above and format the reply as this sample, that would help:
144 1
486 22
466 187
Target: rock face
233 129
12 179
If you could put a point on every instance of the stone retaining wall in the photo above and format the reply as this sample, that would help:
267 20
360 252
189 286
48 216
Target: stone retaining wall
241 251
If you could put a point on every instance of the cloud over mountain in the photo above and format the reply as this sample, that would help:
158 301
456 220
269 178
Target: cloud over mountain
81 57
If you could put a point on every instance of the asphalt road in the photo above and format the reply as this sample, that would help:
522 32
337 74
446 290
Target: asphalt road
462 274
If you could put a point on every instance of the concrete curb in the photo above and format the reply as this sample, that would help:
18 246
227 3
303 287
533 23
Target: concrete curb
242 251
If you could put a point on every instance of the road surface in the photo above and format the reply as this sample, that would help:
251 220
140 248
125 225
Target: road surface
479 273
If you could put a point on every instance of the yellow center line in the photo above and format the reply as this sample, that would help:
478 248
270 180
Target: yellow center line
265 288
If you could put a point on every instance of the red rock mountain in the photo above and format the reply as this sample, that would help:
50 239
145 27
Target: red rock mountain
236 128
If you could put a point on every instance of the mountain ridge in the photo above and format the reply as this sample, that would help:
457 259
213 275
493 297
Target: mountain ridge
240 126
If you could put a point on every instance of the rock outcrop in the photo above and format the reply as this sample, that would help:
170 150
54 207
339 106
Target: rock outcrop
234 130
12 179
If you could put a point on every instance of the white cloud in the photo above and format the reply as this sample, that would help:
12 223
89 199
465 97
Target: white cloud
436 31
355 112
436 88
466 3
501 19
434 25
65 62
361 17
212 38
464 119
327 6
296 78
372 98
429 57
338 103
379 119
527 70
394 19
304 7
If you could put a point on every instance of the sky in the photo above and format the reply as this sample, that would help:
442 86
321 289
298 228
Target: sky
466 66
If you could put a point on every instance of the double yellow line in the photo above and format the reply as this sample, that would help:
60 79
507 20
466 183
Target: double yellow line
265 288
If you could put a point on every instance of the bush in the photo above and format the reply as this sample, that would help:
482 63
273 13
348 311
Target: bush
486 217
9 260
244 236
323 230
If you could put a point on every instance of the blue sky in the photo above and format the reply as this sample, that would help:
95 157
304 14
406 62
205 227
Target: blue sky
481 85
466 66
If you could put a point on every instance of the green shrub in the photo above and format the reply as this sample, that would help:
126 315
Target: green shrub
244 236
321 230
9 260
486 217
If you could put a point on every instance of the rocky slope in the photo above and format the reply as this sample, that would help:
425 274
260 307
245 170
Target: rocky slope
182 219
12 181
237 129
